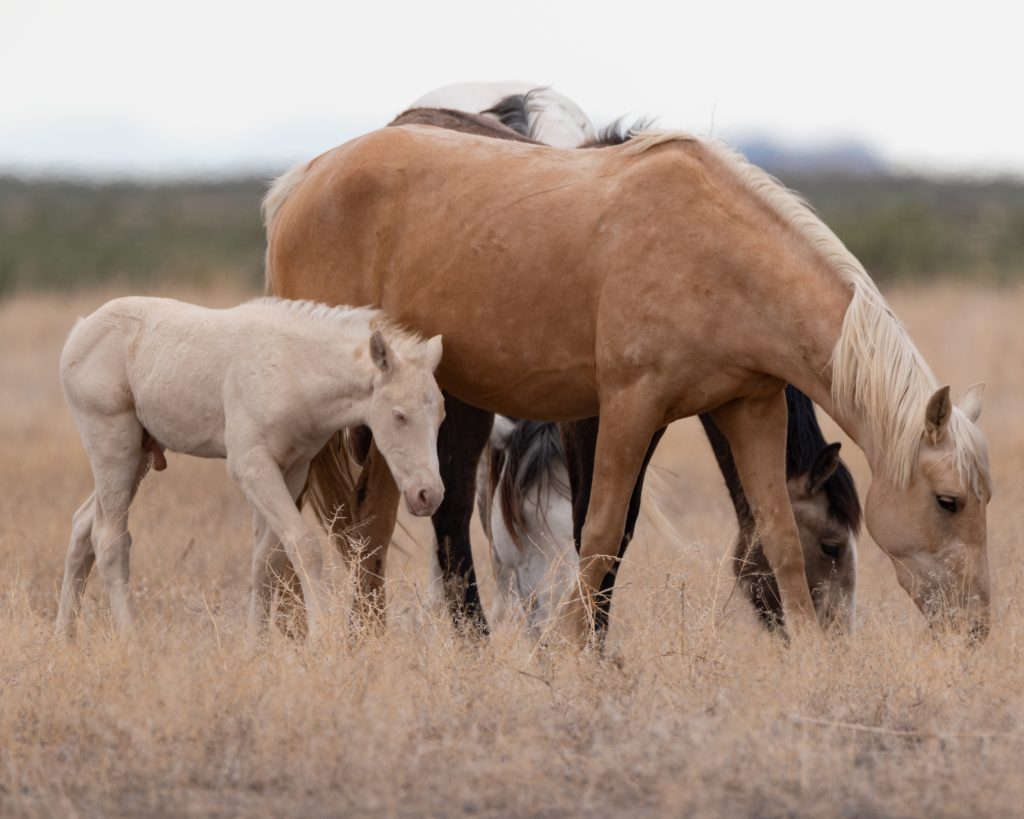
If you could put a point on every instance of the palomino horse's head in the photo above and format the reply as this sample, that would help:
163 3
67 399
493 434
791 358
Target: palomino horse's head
934 527
405 413
827 513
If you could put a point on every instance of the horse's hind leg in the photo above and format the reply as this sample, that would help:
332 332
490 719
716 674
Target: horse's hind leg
461 439
579 440
77 565
118 464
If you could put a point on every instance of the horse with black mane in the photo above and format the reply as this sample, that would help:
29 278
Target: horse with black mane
527 511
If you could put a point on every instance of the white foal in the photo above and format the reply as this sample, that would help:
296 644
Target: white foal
263 385
526 510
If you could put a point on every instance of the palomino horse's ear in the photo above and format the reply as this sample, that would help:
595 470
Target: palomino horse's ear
380 353
824 465
970 402
434 350
936 416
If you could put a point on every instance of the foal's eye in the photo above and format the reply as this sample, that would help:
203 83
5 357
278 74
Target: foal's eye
399 416
947 503
831 550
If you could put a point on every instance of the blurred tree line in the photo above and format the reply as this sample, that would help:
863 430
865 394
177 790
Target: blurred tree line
62 234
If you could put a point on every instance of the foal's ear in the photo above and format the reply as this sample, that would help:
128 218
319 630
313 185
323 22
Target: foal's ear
970 402
823 467
433 350
936 416
380 353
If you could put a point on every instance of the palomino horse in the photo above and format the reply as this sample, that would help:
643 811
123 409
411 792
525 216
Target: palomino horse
464 433
524 500
265 385
534 111
646 282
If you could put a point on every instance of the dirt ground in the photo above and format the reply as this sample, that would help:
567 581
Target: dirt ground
699 713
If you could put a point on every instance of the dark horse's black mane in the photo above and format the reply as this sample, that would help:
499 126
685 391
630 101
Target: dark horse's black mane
803 446
514 112
529 454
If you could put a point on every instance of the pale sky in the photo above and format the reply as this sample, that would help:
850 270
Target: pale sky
217 87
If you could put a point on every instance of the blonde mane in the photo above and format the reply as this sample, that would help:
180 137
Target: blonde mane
877 372
357 321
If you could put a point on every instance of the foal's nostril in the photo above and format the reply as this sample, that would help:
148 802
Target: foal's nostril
423 497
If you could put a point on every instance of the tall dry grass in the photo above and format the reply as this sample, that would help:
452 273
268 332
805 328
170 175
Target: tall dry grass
695 711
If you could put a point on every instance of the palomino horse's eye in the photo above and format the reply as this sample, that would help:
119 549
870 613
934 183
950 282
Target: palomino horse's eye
831 550
947 503
399 416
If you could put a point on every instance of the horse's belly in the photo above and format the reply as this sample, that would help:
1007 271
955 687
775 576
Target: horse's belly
190 427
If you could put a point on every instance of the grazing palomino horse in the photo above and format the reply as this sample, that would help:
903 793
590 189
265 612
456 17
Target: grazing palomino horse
534 111
264 385
524 501
464 433
645 282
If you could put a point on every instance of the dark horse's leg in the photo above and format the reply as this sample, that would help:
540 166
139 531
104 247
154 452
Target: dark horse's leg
461 439
579 440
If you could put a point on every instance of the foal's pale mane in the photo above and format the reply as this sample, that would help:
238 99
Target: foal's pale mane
877 372
355 323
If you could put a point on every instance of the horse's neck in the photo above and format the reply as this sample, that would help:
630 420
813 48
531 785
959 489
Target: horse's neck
811 323
338 380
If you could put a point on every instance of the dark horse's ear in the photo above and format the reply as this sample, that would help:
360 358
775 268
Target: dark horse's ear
824 465
380 353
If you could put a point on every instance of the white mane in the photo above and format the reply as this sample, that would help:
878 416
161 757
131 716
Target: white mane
877 372
360 321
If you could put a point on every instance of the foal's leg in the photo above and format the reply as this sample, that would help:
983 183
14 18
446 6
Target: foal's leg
579 439
756 430
271 568
77 565
274 498
461 439
118 465
628 423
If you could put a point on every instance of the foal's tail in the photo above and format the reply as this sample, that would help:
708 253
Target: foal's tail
331 486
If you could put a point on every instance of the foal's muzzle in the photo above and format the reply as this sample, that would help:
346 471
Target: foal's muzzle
423 500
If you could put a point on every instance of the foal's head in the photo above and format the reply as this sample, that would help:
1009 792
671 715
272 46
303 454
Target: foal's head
406 410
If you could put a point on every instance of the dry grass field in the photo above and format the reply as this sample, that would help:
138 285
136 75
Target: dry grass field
696 713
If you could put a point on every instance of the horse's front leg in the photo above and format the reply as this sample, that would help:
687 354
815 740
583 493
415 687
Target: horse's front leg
461 439
756 430
579 440
629 420
264 485
271 569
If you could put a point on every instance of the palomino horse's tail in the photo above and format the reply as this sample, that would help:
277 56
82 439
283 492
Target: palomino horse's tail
331 486
280 189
